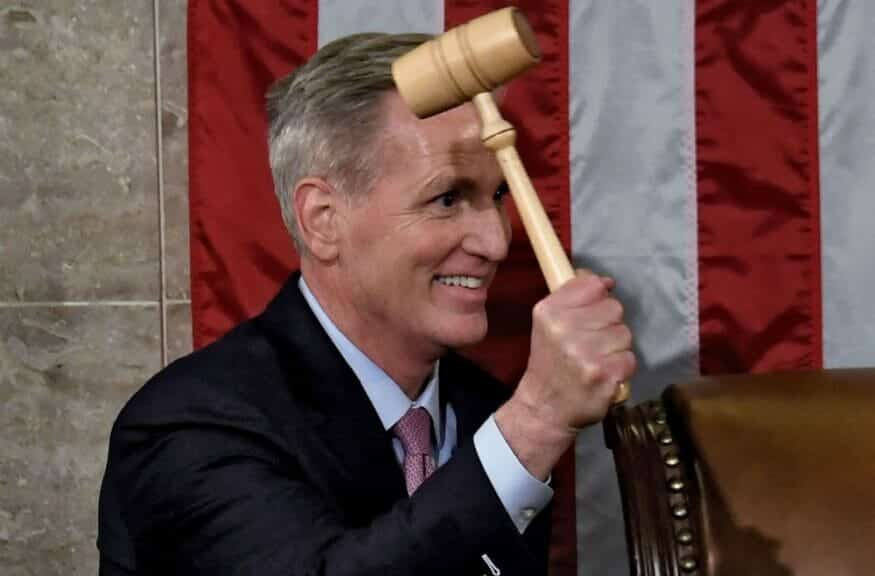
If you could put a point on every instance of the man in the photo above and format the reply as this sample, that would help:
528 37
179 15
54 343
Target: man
337 432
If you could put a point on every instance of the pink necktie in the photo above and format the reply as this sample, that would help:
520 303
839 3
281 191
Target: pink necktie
414 431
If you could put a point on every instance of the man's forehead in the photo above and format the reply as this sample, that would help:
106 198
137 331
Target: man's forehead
455 131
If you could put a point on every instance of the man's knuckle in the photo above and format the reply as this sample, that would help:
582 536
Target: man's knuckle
617 310
628 364
540 311
592 372
626 336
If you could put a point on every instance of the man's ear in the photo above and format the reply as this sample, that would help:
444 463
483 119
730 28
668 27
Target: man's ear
316 208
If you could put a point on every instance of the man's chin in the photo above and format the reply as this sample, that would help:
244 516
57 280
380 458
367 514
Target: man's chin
465 334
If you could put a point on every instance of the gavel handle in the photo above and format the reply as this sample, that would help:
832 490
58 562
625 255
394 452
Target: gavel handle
499 136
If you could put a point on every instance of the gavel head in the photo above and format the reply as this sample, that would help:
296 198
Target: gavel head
474 57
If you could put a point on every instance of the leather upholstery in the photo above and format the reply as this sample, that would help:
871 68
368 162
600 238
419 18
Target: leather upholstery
768 475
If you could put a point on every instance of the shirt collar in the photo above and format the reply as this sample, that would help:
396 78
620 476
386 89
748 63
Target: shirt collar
390 402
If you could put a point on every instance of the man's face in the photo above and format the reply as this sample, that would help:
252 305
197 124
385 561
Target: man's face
419 251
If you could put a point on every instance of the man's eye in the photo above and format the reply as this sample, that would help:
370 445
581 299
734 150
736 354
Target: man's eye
501 192
448 198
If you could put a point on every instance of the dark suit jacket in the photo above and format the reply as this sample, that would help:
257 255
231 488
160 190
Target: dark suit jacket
261 454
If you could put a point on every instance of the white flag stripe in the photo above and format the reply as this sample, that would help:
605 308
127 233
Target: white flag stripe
633 171
633 214
341 17
846 70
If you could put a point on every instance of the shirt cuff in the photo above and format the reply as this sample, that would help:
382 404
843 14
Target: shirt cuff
521 494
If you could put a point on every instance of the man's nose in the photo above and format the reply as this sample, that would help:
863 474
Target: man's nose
488 234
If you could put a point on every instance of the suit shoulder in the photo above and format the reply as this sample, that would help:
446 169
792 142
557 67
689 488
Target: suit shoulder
239 375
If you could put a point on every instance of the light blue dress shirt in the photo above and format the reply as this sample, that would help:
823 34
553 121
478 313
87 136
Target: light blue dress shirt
521 494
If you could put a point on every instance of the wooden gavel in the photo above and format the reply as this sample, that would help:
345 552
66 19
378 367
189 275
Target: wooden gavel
467 63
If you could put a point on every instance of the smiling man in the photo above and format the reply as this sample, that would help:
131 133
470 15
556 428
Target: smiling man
337 432
404 269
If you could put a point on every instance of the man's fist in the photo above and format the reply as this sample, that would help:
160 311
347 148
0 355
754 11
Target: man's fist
581 350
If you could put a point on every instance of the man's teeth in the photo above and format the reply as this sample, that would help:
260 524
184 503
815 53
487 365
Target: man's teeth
464 281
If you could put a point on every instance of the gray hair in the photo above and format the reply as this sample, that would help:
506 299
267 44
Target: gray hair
324 117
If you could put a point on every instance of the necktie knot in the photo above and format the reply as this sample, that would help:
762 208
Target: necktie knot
414 432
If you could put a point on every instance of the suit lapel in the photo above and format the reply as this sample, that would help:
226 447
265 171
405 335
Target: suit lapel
339 437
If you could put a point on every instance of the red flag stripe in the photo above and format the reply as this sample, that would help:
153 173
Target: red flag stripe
815 239
757 155
240 250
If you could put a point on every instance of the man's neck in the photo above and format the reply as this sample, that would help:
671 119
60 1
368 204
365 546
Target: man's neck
408 367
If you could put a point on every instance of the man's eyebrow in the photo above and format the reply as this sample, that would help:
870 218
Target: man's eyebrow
439 182
442 181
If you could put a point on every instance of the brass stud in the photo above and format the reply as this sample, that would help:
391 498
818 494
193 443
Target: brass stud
660 419
665 439
675 484
679 511
672 460
688 564
685 536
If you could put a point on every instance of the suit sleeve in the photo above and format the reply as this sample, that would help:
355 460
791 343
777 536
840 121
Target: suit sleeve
211 499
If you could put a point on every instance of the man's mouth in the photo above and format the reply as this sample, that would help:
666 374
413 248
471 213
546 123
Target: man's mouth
472 282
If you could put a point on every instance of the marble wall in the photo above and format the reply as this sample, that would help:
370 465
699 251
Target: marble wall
94 288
